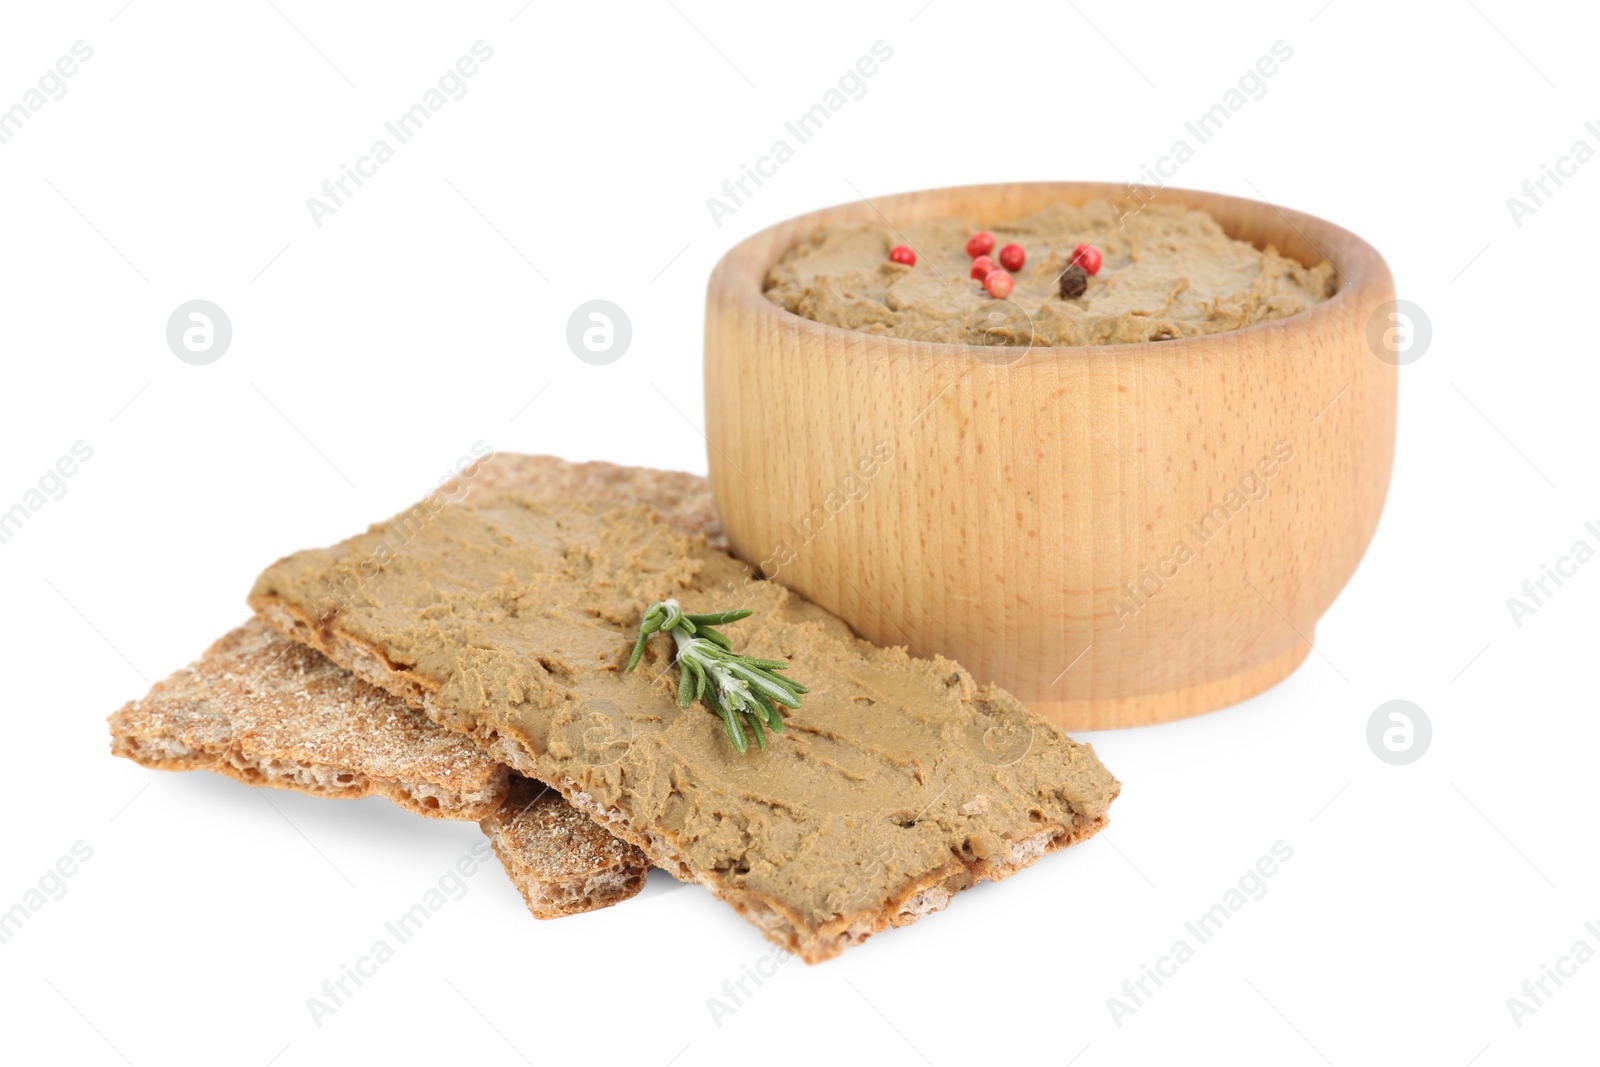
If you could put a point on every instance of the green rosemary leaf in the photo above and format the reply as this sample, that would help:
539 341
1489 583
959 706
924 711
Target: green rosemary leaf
731 718
791 684
778 679
770 712
762 683
638 649
686 684
720 618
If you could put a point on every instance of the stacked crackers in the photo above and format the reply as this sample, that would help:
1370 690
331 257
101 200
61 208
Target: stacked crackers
320 699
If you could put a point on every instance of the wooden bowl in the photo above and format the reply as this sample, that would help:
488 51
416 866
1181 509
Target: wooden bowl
1026 518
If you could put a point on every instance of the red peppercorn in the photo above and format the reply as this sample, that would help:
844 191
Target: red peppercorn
999 283
903 254
981 267
1012 257
980 244
1087 257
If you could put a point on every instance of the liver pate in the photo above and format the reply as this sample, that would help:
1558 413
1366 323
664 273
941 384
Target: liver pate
1168 272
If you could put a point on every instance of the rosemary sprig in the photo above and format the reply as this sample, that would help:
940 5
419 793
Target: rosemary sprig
745 691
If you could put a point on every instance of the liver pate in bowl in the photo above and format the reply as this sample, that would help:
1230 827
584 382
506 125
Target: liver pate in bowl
1124 505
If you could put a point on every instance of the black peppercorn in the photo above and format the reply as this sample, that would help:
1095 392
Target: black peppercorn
1074 282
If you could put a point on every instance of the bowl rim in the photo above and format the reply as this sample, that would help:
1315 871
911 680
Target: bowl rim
1359 266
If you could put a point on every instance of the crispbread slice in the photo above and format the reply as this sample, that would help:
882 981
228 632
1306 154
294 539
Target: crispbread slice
561 860
265 710
510 617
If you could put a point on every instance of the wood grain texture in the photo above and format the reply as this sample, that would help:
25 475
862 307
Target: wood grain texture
1027 522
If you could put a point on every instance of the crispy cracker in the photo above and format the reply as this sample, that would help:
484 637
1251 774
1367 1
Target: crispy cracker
1055 791
265 710
560 859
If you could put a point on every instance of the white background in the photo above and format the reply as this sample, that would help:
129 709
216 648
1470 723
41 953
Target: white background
430 310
